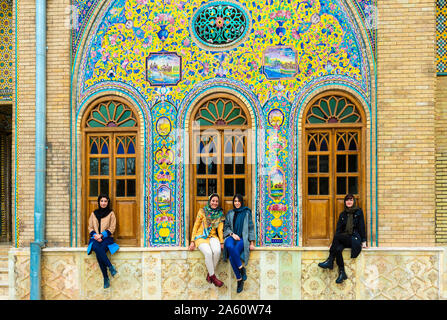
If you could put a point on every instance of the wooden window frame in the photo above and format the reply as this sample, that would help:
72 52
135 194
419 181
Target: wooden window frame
220 174
332 128
112 132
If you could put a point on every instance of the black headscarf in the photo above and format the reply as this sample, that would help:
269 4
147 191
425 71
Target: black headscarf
102 212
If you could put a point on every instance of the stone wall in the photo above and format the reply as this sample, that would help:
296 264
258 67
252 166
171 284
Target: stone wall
406 114
441 160
378 273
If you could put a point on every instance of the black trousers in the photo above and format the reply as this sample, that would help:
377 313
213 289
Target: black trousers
340 242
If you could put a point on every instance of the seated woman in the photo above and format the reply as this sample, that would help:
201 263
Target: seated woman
101 226
239 233
208 237
350 233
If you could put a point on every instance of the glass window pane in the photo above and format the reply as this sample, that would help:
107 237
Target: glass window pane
352 163
341 163
312 164
93 188
93 166
131 148
229 187
105 149
120 149
353 145
104 186
229 145
312 186
131 188
240 186
341 145
324 185
212 165
120 188
94 149
212 186
312 146
352 185
240 165
341 185
201 187
323 145
228 165
324 163
201 168
131 166
120 166
105 166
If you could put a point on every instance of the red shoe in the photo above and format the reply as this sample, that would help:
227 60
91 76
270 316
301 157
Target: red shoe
208 278
216 281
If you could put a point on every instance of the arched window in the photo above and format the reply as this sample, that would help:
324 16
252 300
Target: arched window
334 163
220 149
110 165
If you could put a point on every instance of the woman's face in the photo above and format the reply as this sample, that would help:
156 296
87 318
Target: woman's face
103 202
349 203
214 202
237 203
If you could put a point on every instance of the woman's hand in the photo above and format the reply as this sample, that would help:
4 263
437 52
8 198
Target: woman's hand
252 246
98 237
363 244
192 246
235 237
221 246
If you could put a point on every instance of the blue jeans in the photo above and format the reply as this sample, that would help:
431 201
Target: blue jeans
235 248
100 248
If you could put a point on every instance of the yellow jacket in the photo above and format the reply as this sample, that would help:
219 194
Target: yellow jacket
199 226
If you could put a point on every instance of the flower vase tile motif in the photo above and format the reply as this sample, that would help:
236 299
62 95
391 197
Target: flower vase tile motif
278 218
165 221
319 33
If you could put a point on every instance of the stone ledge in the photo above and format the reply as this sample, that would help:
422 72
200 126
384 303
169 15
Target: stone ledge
165 249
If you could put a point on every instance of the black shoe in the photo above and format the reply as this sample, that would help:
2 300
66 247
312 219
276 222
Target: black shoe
106 283
243 273
341 276
240 286
113 271
328 264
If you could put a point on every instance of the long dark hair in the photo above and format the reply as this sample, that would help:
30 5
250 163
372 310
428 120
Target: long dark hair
240 198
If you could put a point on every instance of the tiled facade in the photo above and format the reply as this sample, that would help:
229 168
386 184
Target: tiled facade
394 73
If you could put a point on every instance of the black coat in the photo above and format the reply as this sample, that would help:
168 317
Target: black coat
358 232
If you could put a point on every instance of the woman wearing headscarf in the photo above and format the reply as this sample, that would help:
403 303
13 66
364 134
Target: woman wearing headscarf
101 226
239 233
208 237
349 233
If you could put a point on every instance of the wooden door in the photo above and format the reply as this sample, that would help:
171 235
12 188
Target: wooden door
333 160
219 154
111 166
